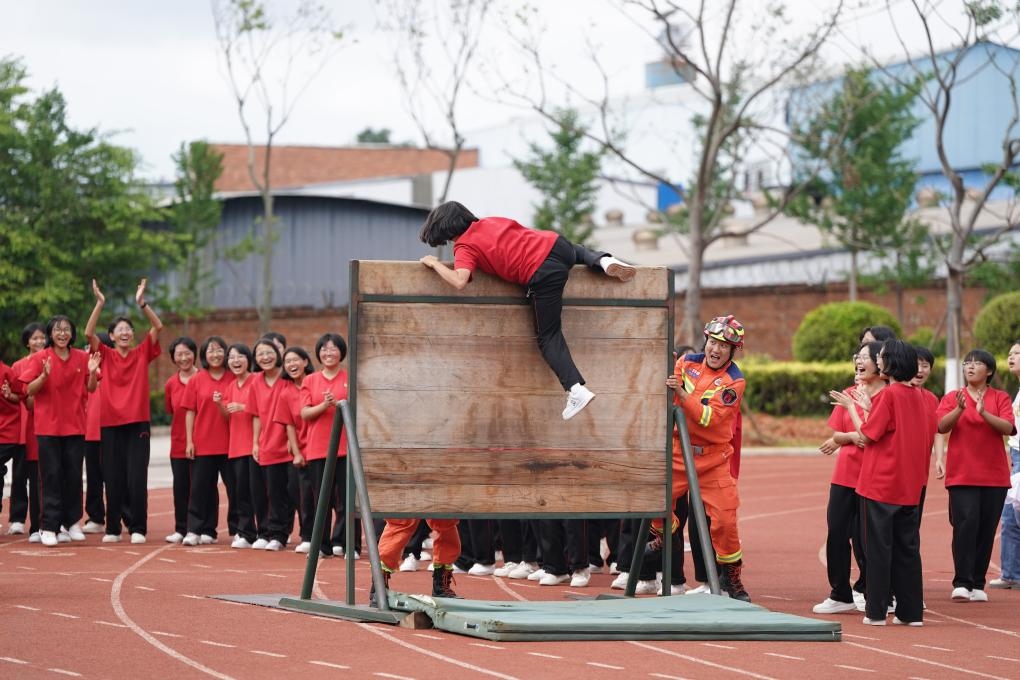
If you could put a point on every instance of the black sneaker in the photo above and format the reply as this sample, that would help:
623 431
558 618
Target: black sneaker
442 582
730 583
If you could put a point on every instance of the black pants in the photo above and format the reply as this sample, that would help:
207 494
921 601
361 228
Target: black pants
843 519
339 537
94 508
281 506
893 560
311 486
181 470
974 512
682 511
564 545
60 462
597 529
259 497
204 502
245 511
126 475
476 543
22 485
520 540
301 504
546 292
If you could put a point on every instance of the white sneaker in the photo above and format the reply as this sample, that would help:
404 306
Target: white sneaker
357 556
580 578
261 543
111 538
677 590
614 568
830 606
916 624
427 544
16 528
873 622
49 538
577 399
206 539
892 606
35 537
994 583
536 575
93 527
75 533
505 570
240 543
594 569
338 551
553 579
620 583
860 601
648 587
523 570
410 563
303 547
478 569
617 268
274 545
175 537
978 595
64 537
137 538
701 589
960 595
190 538
424 556
458 570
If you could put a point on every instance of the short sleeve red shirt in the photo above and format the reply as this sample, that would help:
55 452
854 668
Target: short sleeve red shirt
241 432
272 436
27 418
503 248
976 454
173 393
211 432
894 464
288 412
60 402
848 459
93 412
321 427
10 413
126 389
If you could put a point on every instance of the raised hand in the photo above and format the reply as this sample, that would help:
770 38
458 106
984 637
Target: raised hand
100 298
46 367
841 399
979 402
961 400
94 360
140 293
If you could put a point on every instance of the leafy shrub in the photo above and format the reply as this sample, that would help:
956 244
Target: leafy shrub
831 332
997 325
926 337
158 416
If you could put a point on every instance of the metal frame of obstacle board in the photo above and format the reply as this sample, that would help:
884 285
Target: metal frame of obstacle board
358 483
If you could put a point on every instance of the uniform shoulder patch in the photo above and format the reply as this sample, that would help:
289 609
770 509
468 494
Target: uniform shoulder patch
729 396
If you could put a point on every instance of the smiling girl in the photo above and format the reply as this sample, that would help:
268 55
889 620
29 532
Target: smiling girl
183 351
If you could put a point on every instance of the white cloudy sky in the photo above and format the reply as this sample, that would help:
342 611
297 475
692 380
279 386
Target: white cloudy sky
150 72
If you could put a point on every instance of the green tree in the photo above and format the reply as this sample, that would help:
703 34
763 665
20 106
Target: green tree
831 332
373 136
863 192
567 176
998 275
195 216
71 209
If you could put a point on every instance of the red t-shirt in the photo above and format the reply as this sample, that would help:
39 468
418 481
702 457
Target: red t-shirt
211 433
504 248
126 390
93 412
27 417
321 427
894 465
241 433
848 459
10 412
272 436
60 402
288 412
931 405
173 392
976 454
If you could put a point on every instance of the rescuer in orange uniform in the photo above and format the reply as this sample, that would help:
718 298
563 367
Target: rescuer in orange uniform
708 388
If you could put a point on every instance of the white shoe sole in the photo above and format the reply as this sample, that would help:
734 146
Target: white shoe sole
622 272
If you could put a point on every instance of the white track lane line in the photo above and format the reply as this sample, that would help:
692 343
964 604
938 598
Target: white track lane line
901 655
327 664
694 659
439 657
11 659
1011 633
63 672
118 609
856 669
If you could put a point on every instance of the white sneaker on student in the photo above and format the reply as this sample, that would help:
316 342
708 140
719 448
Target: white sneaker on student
523 570
620 582
63 536
860 601
93 527
424 556
111 538
594 569
617 268
49 538
175 537
580 578
701 589
75 532
553 579
206 539
241 543
873 622
274 546
427 544
830 606
303 547
978 595
677 590
536 575
614 569
137 538
35 537
479 569
897 622
577 399
410 563
960 595
505 570
191 538
16 528
648 587
261 543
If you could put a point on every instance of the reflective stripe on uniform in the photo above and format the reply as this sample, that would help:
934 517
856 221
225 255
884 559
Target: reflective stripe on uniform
729 559
706 416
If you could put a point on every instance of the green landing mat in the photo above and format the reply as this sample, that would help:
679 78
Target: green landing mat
686 617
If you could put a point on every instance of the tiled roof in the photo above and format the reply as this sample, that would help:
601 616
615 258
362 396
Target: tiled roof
295 166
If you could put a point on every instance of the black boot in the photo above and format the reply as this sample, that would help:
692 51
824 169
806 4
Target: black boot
373 601
442 582
729 581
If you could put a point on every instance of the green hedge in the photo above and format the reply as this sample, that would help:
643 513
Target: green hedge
997 325
832 331
158 416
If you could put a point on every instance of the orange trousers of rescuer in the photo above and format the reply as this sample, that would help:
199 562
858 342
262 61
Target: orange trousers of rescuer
445 550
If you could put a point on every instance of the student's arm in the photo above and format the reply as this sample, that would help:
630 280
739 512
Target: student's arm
189 432
90 326
150 314
256 430
458 278
940 455
33 387
295 449
948 421
93 380
997 423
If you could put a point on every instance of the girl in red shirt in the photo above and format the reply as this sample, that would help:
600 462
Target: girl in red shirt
95 508
540 260
976 468
125 416
234 405
25 482
11 393
207 440
183 351
296 366
59 379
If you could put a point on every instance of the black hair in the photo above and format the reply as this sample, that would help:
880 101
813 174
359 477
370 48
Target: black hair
276 337
205 348
985 357
243 350
300 351
53 322
183 340
28 331
105 339
445 223
873 349
336 339
113 324
268 342
880 333
924 354
900 360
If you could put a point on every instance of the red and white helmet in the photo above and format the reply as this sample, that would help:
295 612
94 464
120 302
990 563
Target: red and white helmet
726 329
